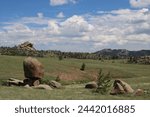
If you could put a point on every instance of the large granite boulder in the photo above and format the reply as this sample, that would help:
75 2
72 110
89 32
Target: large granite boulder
33 69
121 87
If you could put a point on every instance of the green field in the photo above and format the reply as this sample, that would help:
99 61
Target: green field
72 78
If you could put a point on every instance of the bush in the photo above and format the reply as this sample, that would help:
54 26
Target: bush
3 83
103 82
82 67
57 79
47 80
60 57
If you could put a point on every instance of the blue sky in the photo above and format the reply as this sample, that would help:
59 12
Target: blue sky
22 8
76 25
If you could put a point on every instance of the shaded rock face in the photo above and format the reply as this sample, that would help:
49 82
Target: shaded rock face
33 69
31 82
15 82
121 87
27 46
91 85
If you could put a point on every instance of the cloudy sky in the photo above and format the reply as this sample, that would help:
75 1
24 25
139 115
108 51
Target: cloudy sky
76 25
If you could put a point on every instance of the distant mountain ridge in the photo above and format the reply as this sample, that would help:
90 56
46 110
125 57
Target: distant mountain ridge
121 53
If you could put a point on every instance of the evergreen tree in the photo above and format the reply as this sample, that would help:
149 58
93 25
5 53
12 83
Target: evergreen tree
82 67
103 82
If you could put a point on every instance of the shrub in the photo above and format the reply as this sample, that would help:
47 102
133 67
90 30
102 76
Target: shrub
3 83
103 82
47 80
57 79
60 57
82 67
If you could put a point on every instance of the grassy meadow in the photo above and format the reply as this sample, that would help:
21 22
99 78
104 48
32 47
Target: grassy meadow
72 78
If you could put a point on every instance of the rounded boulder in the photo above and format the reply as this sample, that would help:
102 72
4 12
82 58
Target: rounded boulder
33 69
91 85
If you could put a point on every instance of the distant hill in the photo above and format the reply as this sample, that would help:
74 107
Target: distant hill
121 53
139 53
27 49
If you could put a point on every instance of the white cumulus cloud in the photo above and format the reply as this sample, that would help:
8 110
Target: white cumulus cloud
124 28
75 25
40 15
140 3
61 2
60 15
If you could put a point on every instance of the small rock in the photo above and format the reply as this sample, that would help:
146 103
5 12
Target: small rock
139 92
43 86
15 82
55 84
91 85
27 86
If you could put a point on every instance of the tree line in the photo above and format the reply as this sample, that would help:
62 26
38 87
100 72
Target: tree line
14 51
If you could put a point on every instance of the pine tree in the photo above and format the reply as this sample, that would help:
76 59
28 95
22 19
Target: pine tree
82 67
103 82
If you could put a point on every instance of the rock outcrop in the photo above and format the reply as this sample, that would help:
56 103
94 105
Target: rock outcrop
26 46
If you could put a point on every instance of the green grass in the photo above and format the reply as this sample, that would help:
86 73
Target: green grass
72 78
69 92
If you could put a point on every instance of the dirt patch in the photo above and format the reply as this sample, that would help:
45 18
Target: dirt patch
74 74
70 76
